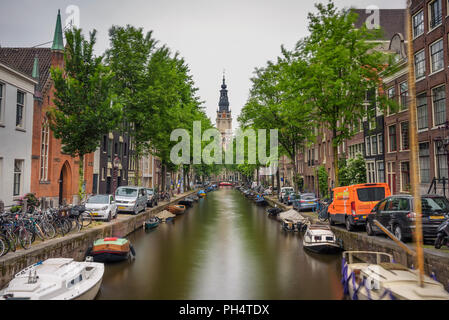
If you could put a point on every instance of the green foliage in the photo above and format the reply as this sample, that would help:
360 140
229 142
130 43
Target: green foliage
84 111
352 171
323 177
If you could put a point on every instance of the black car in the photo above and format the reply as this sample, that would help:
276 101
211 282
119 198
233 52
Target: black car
396 214
152 197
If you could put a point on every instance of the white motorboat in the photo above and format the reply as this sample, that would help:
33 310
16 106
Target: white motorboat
385 279
56 279
320 239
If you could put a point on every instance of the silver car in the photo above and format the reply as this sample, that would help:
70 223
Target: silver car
131 199
102 206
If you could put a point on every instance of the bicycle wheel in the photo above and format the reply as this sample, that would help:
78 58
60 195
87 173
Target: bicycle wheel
48 229
4 247
25 237
59 227
39 232
85 219
12 241
67 225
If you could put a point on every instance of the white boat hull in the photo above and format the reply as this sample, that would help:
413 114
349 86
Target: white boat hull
91 293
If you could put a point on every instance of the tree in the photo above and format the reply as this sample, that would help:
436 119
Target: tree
352 171
343 66
84 109
276 103
128 58
323 181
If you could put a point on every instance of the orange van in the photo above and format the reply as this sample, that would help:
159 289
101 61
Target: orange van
352 204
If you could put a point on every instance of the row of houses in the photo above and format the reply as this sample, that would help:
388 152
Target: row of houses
383 140
31 159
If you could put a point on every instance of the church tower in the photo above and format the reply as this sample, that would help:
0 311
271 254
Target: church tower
224 119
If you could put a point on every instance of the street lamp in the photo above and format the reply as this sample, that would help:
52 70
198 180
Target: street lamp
115 164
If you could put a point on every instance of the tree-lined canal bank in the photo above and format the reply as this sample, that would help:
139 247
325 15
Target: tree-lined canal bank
224 247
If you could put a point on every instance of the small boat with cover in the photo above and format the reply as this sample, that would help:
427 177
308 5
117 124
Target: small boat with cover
111 249
177 209
152 223
319 238
56 279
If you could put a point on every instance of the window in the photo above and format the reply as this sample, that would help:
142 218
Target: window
392 138
371 172
20 109
380 171
439 105
367 146
404 136
373 145
391 95
18 171
424 162
436 56
441 162
105 143
45 137
1 102
380 137
421 106
371 194
435 13
418 24
403 91
103 173
420 64
405 176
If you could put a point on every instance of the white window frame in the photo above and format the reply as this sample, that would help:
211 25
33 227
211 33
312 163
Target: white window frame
427 112
45 146
21 172
401 108
429 15
401 187
434 125
430 56
391 97
2 102
374 138
419 159
371 169
377 172
423 51
396 137
423 24
22 125
380 145
400 136
368 146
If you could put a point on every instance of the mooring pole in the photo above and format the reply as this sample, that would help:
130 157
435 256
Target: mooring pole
414 151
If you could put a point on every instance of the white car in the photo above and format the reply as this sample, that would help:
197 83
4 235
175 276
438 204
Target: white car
284 190
102 206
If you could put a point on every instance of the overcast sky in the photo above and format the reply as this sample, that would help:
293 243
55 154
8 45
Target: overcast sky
235 35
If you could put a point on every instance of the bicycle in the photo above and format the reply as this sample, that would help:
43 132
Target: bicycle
323 214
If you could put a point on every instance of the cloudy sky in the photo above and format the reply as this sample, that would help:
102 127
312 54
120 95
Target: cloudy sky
212 35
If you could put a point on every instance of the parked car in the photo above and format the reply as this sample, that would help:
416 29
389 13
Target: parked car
131 199
306 201
351 205
102 206
396 214
284 190
288 198
151 197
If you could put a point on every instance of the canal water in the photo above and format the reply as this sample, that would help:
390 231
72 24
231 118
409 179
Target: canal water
224 247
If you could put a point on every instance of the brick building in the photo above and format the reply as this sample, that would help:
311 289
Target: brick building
54 175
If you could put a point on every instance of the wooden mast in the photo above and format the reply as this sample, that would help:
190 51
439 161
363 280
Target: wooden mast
414 152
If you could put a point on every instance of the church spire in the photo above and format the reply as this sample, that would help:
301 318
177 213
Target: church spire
224 102
58 44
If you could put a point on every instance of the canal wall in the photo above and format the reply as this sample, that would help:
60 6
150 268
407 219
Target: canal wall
436 262
75 245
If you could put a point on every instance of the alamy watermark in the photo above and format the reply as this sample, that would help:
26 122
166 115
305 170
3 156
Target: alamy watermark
213 147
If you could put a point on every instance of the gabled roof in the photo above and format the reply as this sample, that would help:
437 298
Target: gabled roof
22 59
391 21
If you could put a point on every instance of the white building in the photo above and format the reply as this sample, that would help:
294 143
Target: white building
16 132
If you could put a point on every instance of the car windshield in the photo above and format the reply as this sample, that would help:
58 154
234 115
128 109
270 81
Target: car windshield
430 205
98 199
371 194
308 196
126 192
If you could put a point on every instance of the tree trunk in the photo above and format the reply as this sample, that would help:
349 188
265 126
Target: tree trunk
136 173
81 192
164 175
335 150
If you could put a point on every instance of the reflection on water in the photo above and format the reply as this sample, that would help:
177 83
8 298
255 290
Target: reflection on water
224 247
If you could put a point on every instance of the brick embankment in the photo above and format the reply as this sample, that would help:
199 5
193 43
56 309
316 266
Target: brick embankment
75 245
436 261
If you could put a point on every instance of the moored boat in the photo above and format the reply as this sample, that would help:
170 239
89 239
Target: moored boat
177 209
225 184
201 194
368 275
289 225
152 223
165 216
186 202
111 249
274 212
56 279
320 239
